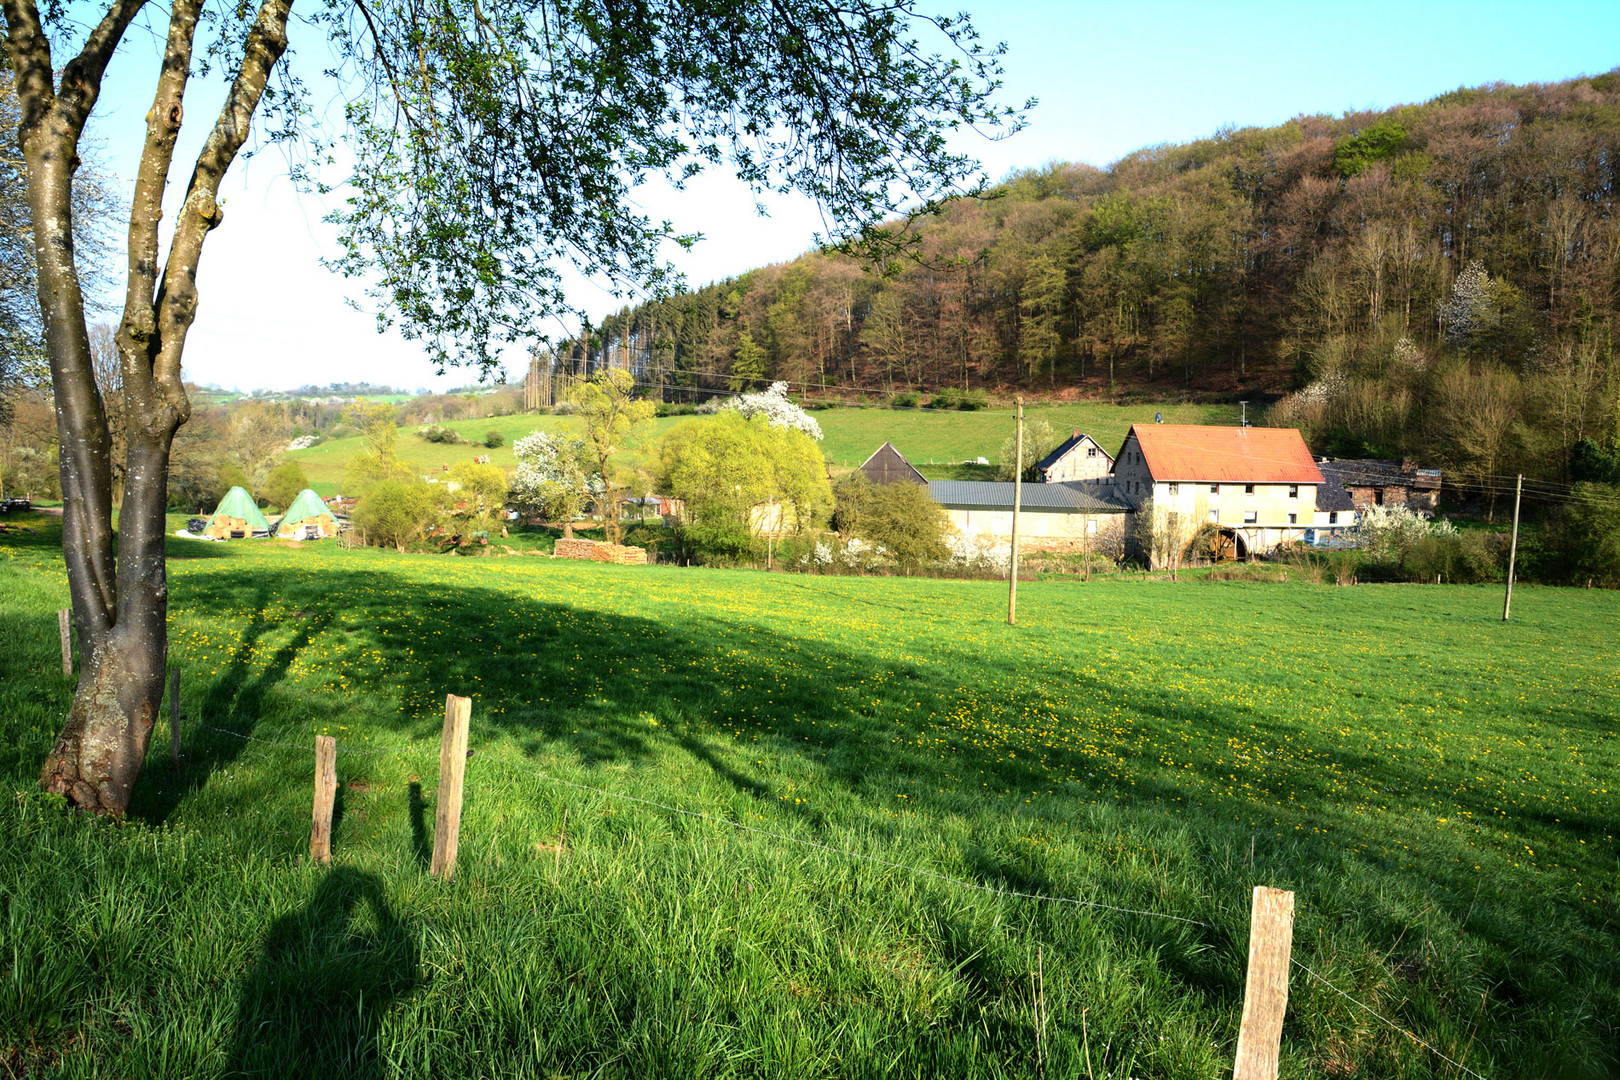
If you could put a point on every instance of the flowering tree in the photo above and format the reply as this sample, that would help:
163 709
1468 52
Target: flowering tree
554 478
778 411
1388 531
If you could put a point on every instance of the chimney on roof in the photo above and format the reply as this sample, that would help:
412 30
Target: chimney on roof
1076 433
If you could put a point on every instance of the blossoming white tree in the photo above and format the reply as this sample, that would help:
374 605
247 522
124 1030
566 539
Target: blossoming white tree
554 478
774 406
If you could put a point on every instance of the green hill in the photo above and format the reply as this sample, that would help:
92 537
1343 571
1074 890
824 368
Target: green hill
935 441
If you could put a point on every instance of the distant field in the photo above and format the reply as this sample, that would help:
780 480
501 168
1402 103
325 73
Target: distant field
849 435
1437 788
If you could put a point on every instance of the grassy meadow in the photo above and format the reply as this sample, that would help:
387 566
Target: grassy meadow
1437 787
850 435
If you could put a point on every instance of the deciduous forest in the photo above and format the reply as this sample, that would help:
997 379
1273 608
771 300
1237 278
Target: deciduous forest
1436 279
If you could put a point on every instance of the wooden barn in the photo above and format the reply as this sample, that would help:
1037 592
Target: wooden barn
237 517
889 466
308 518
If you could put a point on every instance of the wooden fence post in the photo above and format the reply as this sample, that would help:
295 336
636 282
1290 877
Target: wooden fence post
320 829
1265 991
174 716
452 769
64 619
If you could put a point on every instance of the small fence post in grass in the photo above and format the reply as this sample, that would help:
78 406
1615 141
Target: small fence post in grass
1265 991
174 716
64 619
452 769
320 830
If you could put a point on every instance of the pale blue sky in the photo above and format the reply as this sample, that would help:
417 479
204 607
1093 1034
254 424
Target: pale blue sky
1110 78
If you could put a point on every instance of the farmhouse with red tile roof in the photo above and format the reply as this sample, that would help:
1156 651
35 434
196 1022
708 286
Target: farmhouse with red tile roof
1255 486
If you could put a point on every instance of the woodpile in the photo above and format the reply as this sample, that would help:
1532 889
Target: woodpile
599 552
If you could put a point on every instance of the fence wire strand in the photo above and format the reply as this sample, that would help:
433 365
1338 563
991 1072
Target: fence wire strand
1386 1020
1012 894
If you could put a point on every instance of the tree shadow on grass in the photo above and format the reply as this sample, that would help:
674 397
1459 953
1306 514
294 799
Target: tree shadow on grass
314 1002
234 701
605 687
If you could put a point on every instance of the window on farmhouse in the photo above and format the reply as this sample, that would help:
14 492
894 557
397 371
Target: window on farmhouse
1293 491
1293 519
1091 451
1248 489
1215 515
1333 517
1175 489
1250 517
1214 489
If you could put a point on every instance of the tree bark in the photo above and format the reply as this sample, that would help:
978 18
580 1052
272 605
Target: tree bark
120 604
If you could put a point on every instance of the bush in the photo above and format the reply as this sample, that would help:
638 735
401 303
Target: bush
285 482
910 399
494 439
396 512
438 433
1461 558
949 397
901 519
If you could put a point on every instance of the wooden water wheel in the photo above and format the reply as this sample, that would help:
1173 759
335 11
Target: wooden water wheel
1220 546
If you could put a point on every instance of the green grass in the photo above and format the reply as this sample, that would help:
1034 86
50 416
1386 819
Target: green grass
1436 787
936 442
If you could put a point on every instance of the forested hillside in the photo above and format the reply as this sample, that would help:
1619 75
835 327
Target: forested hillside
1437 278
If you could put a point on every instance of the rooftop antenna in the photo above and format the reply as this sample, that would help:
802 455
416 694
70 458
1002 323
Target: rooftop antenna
1245 421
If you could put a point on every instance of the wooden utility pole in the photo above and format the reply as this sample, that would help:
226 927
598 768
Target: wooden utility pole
1265 990
1513 550
1018 499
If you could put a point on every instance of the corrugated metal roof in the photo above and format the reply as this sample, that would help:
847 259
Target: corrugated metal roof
1226 455
1039 498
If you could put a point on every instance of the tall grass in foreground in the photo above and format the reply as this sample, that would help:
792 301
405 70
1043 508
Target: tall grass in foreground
1436 788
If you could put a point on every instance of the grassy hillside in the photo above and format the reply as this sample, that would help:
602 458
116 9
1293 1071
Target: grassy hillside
850 435
1436 786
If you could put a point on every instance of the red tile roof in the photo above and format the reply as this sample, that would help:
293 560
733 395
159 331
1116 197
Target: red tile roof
1226 455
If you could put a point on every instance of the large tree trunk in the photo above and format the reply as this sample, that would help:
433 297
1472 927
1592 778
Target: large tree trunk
120 605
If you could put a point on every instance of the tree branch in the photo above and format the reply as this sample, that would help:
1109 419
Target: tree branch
81 79
200 213
137 336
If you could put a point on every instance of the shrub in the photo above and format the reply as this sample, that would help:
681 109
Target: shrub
285 482
910 399
396 512
901 519
494 439
949 397
438 433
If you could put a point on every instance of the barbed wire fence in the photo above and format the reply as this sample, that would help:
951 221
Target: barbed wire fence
1269 941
